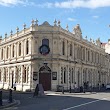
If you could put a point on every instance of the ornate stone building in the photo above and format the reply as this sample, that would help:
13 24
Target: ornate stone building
52 56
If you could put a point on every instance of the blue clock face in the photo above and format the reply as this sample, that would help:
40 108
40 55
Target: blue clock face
44 49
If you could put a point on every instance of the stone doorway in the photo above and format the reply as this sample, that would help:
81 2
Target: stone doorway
45 77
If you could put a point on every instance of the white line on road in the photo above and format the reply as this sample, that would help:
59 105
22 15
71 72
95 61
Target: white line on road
83 104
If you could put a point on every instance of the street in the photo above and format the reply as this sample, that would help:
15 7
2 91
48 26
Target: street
67 101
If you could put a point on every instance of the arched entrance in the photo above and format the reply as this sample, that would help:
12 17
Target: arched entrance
45 77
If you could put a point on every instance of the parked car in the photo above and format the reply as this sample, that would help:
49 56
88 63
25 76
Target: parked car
108 86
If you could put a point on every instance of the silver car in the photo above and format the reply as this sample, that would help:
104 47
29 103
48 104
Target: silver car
108 86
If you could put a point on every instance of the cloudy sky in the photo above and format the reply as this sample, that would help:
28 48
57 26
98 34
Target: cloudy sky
92 15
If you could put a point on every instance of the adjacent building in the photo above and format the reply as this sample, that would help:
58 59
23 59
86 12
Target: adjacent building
52 56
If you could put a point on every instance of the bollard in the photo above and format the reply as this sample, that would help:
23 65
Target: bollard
10 96
70 90
0 98
62 90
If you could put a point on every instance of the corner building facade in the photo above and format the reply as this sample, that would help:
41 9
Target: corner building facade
52 56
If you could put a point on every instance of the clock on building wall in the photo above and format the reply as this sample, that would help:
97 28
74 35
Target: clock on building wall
44 49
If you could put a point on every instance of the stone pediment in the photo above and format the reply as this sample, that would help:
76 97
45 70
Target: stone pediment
45 24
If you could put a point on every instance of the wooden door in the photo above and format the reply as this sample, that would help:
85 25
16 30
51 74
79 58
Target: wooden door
45 80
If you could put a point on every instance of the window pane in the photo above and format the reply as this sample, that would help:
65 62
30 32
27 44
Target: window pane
45 42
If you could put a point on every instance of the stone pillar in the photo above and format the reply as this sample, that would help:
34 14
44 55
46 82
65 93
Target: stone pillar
22 70
14 79
11 51
3 77
8 80
85 54
29 77
60 46
82 76
17 49
22 48
73 51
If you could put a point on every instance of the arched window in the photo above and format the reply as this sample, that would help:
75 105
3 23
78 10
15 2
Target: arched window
27 47
19 49
63 48
13 47
24 81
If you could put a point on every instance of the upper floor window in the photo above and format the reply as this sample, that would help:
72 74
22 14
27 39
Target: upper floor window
13 49
63 48
7 53
70 49
83 54
27 47
19 49
45 42
2 53
88 55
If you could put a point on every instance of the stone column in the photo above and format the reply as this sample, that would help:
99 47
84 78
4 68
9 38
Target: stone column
60 47
17 50
73 51
14 75
3 77
82 76
29 77
8 80
22 48
85 54
22 70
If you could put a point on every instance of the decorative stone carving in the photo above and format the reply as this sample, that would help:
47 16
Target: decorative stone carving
24 26
55 22
36 22
17 29
67 27
11 33
59 23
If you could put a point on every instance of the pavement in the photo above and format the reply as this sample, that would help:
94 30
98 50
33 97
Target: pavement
6 103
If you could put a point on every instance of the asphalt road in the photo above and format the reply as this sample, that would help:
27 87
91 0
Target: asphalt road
88 101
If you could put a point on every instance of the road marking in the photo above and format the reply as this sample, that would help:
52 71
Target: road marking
83 104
